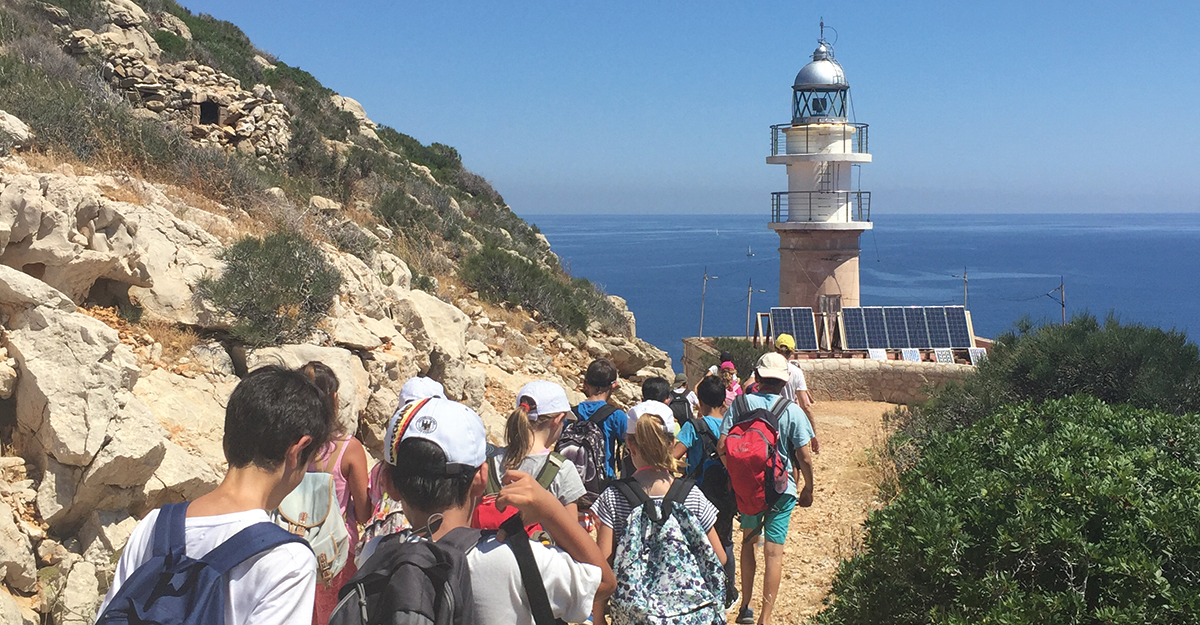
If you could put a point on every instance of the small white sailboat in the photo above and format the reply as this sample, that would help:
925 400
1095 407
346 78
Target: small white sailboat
749 252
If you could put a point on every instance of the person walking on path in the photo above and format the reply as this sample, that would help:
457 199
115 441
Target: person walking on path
792 438
797 388
346 460
729 376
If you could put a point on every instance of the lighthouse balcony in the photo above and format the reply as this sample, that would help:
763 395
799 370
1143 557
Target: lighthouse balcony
821 209
826 141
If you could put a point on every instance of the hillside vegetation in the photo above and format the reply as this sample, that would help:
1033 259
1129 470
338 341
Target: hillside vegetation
392 192
1059 484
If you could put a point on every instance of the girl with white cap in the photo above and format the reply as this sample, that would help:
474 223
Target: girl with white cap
530 433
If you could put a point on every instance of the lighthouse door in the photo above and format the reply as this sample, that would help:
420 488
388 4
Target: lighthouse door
829 304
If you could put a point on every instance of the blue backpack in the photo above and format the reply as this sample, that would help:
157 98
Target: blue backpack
170 588
668 573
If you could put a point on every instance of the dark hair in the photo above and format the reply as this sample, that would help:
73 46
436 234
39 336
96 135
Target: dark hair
269 410
770 386
419 476
656 388
600 374
327 382
725 357
711 392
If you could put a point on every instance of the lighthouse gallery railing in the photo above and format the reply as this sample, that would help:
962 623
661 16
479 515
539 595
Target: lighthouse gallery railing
808 205
815 138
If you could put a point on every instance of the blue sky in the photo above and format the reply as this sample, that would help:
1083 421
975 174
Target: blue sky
660 107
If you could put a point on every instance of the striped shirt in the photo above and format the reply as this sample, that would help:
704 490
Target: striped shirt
613 510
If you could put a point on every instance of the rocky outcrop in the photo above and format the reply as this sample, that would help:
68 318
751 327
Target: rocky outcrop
14 133
354 385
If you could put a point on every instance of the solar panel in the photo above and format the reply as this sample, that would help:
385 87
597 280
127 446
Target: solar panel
853 327
918 332
781 322
876 328
805 329
897 332
956 320
935 319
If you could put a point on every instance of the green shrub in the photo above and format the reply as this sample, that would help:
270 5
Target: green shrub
1120 364
276 288
442 160
224 46
502 277
174 47
745 354
1070 511
350 238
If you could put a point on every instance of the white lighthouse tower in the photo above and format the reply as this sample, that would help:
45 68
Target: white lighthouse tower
819 218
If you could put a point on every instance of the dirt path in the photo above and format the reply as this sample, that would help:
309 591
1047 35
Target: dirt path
822 535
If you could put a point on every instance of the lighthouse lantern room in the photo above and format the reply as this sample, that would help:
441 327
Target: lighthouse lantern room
820 217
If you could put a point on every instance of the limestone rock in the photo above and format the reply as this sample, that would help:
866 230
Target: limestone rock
103 535
433 325
14 133
16 553
354 388
13 612
361 287
191 409
80 597
180 476
323 204
123 13
178 254
391 270
210 358
170 23
67 235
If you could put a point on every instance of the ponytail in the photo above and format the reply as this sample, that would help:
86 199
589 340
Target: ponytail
326 382
518 437
654 444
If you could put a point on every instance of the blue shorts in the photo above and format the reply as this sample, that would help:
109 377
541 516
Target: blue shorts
774 521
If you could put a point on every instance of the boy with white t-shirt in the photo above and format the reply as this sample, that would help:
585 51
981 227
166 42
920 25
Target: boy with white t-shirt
436 456
274 421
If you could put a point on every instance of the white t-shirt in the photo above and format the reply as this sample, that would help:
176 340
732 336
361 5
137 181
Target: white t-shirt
275 587
795 382
500 597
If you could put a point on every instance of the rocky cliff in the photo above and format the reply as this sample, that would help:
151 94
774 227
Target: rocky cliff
105 414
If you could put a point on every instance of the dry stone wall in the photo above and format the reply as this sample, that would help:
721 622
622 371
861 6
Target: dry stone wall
892 381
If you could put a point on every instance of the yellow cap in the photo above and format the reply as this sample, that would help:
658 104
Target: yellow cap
785 341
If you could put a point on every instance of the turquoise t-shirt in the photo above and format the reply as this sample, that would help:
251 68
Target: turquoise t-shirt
794 429
695 447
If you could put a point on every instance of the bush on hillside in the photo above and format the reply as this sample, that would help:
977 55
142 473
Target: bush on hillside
745 354
276 288
1070 511
1118 363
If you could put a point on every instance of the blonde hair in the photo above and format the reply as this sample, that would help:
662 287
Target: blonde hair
653 443
518 434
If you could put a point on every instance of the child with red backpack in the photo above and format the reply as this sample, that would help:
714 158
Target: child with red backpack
765 447
530 434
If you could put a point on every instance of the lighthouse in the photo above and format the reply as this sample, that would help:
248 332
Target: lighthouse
820 217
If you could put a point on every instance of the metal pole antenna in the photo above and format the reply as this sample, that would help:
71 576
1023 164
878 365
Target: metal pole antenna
703 291
964 277
749 295
1062 297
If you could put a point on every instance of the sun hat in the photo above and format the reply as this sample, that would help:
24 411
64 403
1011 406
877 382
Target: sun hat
420 388
651 407
785 341
680 380
728 366
772 366
453 427
547 398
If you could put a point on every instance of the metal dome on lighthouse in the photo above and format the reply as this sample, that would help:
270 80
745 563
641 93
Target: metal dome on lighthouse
820 218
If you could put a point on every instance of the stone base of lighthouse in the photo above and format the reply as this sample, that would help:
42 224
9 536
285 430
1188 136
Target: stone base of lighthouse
819 268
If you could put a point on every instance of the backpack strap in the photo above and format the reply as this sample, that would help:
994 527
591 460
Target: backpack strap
554 463
248 543
740 407
601 414
780 407
170 530
493 476
531 576
461 539
676 495
708 444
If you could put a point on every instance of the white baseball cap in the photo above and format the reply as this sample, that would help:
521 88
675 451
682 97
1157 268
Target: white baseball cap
547 398
651 407
455 428
420 388
772 365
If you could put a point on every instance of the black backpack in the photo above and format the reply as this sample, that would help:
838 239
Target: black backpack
710 473
420 582
681 406
582 442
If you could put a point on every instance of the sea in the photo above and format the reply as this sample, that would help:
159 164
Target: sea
1142 268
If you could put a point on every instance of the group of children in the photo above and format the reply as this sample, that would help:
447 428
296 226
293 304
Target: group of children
659 487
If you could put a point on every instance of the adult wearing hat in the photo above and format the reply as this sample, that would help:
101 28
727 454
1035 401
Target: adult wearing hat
796 388
795 434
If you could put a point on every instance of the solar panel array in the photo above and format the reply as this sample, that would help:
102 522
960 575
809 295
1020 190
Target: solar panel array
897 327
798 322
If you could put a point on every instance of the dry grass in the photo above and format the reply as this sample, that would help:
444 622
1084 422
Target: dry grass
122 193
177 341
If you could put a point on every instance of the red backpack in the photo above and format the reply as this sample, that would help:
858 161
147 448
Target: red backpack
754 456
487 517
